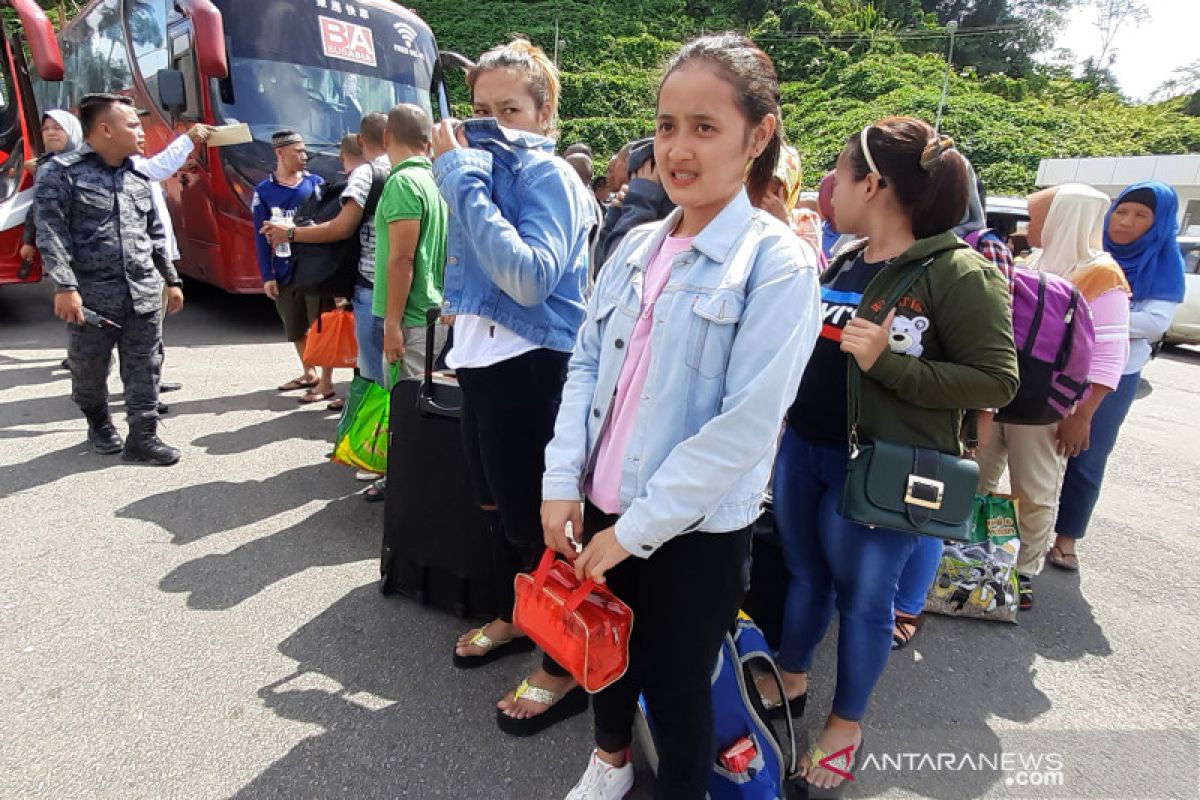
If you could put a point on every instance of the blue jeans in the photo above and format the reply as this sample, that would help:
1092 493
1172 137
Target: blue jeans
834 561
1085 472
919 572
368 332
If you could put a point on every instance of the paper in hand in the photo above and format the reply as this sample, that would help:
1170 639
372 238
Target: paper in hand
229 134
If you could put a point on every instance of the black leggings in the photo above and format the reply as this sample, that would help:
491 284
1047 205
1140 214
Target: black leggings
685 598
507 420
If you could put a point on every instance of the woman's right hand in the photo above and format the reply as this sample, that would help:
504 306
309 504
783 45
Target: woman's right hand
555 516
28 251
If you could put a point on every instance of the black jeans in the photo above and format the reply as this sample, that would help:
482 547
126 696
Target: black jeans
685 598
507 420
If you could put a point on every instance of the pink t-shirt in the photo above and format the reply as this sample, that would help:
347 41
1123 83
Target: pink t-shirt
1110 318
605 488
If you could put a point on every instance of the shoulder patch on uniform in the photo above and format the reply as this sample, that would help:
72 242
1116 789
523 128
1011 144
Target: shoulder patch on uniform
67 159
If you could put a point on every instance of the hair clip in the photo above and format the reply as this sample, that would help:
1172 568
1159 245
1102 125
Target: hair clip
933 151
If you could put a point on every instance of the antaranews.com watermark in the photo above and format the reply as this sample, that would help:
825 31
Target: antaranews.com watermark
1018 769
978 763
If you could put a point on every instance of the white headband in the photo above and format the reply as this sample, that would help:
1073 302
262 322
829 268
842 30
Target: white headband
862 138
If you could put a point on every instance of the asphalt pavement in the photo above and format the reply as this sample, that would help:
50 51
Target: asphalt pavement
214 629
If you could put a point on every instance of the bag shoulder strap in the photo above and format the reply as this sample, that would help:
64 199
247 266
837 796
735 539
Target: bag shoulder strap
853 372
379 177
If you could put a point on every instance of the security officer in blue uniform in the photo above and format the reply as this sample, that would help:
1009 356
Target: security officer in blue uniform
102 244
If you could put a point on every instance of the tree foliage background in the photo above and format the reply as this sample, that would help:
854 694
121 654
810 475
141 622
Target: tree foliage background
842 63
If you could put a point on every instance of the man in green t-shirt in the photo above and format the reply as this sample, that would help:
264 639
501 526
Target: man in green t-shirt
410 242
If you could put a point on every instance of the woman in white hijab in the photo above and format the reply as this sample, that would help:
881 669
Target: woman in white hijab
1065 225
61 133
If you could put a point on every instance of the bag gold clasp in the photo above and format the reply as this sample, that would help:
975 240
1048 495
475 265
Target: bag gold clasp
924 492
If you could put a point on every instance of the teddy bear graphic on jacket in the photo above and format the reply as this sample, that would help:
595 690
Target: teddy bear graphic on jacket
906 335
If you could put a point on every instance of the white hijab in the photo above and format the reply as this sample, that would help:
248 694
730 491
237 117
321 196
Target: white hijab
1071 236
69 123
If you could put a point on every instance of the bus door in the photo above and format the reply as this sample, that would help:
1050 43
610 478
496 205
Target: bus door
20 134
196 222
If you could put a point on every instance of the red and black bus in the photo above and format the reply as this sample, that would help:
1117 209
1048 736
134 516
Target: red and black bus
21 128
312 65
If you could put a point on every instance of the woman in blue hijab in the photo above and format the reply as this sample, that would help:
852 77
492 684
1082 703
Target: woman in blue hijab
1139 232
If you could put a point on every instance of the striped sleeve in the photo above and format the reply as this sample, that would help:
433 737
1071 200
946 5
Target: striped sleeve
1110 318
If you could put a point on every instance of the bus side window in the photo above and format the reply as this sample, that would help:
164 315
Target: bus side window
147 26
182 60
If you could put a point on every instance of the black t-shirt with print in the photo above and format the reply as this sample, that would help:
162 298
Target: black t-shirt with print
819 411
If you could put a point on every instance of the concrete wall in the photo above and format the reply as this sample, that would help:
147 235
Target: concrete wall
1111 175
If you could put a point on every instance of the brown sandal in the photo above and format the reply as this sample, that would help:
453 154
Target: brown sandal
311 396
297 383
1067 561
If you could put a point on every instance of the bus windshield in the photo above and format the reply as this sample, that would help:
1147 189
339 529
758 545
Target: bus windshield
312 67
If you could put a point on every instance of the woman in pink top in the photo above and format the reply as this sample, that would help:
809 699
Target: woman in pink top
696 336
1066 223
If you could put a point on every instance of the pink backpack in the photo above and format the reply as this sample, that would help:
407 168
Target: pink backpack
1052 328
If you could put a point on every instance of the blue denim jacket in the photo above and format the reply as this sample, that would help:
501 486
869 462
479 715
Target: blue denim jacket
517 249
732 332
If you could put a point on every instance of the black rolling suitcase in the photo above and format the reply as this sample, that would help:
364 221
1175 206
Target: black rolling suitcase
436 547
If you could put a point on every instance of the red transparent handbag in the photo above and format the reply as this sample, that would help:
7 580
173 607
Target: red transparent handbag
581 625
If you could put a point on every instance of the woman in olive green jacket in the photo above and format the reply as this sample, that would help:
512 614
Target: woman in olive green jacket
946 346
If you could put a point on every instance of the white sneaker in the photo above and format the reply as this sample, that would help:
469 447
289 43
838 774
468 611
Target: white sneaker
603 781
363 475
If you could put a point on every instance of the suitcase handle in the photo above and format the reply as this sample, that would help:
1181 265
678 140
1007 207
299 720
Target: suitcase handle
426 404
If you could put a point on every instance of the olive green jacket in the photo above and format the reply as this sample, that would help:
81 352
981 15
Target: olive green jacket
950 349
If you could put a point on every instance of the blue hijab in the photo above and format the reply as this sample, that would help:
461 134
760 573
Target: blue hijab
1152 262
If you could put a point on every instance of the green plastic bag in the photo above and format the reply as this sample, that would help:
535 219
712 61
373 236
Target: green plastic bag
978 578
362 438
358 388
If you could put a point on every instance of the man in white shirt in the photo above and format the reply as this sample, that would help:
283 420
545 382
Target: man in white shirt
158 168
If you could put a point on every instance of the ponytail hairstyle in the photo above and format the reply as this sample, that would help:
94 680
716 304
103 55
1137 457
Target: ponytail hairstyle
927 175
532 63
749 70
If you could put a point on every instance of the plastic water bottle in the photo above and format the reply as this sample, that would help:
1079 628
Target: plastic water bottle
283 249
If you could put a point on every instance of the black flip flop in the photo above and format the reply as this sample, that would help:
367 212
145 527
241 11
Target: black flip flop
572 703
902 639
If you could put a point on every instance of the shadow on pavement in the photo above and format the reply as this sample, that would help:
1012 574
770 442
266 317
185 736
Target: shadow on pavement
344 531
33 375
403 722
47 468
194 512
969 672
307 425
44 410
1180 353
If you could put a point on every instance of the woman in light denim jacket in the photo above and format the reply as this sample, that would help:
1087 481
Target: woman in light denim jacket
696 336
516 271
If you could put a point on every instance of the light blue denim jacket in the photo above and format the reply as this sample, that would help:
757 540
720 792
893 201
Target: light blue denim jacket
732 332
517 246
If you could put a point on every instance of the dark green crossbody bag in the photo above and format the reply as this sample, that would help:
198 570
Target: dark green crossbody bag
903 487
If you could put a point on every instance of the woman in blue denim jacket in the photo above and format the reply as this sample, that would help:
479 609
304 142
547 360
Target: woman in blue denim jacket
696 337
516 272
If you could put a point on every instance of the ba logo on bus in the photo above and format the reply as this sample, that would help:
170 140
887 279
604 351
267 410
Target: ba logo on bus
347 41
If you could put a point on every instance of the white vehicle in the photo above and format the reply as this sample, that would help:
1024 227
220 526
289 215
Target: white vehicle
1185 327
